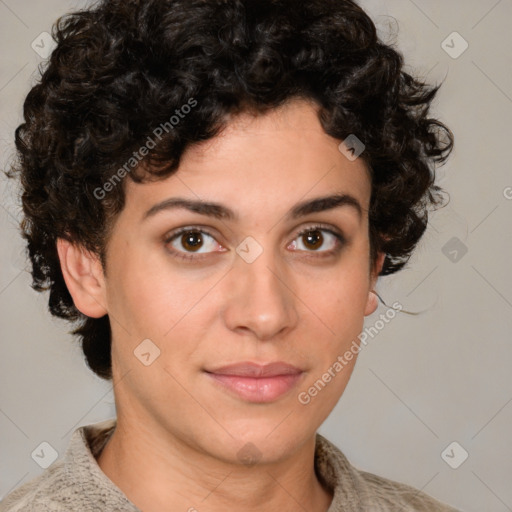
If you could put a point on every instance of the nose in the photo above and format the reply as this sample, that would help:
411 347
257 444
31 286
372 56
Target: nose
260 298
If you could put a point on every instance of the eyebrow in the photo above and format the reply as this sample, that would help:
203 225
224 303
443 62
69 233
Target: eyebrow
220 211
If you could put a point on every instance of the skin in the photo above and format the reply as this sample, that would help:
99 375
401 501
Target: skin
178 433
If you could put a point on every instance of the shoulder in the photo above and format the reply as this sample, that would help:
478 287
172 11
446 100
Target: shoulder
390 494
45 493
365 491
74 482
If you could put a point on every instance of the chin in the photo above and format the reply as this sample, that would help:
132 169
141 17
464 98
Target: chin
260 441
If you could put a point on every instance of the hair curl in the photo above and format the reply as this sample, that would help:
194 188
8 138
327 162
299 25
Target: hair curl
123 67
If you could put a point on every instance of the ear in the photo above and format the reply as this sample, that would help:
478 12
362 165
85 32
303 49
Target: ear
372 302
83 274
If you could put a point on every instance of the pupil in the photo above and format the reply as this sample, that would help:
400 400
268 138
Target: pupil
193 240
314 238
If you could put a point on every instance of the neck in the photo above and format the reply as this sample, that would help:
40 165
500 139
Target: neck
162 473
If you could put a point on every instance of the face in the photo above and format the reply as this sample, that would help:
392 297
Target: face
252 279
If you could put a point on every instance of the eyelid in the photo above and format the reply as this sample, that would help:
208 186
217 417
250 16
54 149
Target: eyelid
321 226
195 227
171 235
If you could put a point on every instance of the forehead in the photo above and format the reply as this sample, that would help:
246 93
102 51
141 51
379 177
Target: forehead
260 162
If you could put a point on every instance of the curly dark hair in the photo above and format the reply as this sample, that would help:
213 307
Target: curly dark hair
123 67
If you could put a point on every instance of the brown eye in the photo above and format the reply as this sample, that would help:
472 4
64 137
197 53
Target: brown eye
191 240
192 243
313 239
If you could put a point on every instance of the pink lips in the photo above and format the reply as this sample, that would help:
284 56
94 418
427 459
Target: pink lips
257 383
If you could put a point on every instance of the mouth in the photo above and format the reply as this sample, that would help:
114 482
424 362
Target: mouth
257 383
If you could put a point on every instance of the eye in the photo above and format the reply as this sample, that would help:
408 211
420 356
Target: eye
191 240
314 237
194 243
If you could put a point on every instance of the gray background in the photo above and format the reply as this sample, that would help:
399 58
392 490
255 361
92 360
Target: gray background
422 382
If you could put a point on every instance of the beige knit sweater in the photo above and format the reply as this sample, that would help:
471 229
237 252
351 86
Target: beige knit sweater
76 483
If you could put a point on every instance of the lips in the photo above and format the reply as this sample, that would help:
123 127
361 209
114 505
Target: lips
256 383
255 370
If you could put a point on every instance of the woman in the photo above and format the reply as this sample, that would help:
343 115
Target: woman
211 190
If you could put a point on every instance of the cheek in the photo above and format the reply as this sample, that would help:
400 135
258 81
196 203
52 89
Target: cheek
340 298
169 307
339 304
143 294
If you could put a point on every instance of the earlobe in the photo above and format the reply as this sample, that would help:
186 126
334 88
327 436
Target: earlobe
83 275
371 303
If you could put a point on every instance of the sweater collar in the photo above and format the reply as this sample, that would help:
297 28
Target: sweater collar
331 466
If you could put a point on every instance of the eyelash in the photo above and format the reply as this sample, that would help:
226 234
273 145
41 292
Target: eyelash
340 239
